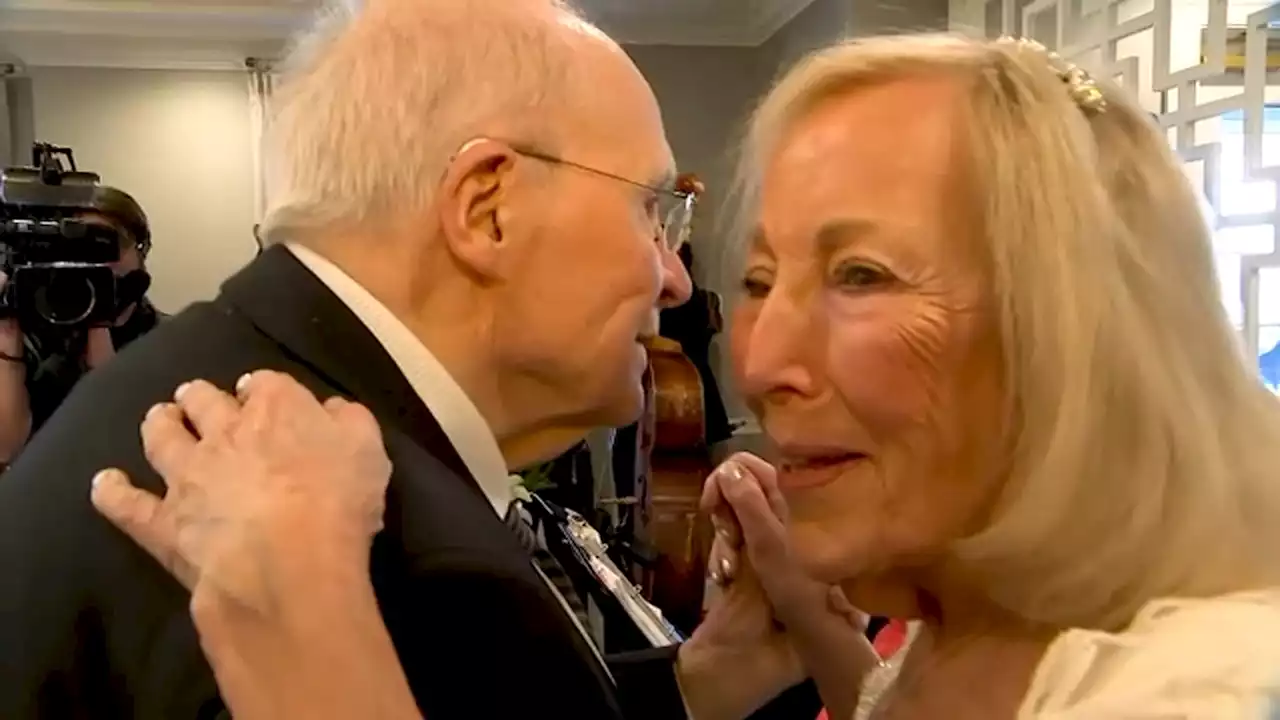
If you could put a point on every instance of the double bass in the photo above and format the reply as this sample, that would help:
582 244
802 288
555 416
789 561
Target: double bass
673 439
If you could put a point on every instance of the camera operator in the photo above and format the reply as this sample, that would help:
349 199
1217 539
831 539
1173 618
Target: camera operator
38 370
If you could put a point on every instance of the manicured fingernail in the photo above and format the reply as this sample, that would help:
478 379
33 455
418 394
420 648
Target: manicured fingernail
732 470
726 568
242 385
716 577
155 410
182 390
100 480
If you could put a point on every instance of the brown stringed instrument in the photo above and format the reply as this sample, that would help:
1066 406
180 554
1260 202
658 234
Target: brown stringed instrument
679 462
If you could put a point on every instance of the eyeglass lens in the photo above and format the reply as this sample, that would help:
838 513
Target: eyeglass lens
675 228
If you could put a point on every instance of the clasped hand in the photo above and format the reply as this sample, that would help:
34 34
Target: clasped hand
743 654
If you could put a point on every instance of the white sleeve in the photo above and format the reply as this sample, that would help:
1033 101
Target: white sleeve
1214 659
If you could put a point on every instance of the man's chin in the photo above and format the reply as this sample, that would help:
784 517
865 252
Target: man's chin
625 409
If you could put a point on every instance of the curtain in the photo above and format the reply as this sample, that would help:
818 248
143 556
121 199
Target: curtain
6 140
261 86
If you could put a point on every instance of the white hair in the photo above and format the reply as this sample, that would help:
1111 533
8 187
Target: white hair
378 95
1143 452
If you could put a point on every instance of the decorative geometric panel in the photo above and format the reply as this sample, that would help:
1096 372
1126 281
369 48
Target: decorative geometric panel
1210 71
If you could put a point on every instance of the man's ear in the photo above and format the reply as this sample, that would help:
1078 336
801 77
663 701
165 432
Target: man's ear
473 203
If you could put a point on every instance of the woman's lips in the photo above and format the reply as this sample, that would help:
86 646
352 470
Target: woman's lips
811 473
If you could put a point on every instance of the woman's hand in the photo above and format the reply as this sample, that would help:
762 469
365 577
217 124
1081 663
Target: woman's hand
264 498
739 657
271 507
815 624
751 516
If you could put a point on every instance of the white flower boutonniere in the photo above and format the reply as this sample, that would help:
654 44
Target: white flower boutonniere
518 489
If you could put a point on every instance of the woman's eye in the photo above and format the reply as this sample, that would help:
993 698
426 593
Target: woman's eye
861 275
754 287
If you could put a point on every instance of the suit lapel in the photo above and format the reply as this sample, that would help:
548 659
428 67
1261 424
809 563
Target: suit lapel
286 302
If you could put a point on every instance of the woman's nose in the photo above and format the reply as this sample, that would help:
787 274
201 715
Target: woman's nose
677 286
781 349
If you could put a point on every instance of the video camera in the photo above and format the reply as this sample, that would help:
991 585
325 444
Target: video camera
57 263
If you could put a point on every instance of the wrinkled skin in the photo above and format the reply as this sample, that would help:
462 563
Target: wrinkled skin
864 329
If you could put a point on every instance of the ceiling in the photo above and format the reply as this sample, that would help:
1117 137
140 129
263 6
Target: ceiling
215 34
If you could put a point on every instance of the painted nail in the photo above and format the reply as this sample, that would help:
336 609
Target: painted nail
242 385
726 568
154 410
733 471
718 524
182 390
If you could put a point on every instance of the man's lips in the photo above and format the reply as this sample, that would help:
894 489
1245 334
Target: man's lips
803 473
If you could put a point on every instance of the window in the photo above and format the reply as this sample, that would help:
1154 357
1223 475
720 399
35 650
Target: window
1233 241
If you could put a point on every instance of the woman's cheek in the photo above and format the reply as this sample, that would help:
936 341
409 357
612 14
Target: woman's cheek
887 370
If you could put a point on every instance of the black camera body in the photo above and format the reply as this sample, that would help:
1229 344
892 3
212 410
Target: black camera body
58 265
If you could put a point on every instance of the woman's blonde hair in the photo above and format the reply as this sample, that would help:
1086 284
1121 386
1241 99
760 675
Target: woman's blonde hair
1143 450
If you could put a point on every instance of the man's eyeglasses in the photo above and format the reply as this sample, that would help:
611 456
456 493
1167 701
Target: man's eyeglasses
674 210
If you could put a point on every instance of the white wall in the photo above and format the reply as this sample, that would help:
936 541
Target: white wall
178 141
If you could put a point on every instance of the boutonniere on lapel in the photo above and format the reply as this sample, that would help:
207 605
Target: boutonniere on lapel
532 480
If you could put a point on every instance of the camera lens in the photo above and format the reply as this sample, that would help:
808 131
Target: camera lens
67 298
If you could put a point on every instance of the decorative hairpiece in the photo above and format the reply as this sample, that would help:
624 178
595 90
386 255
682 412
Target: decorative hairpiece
1080 84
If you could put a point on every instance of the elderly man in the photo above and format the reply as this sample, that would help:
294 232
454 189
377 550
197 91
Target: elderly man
471 239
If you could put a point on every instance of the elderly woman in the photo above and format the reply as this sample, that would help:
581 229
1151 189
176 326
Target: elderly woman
980 323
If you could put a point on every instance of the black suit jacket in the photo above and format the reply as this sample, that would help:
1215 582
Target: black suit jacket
90 626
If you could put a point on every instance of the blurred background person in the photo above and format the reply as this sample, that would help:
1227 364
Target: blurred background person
41 366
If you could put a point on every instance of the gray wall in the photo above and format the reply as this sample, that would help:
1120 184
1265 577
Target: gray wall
707 95
19 121
886 16
178 141
822 23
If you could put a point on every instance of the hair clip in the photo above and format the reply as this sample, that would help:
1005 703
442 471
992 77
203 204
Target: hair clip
1081 86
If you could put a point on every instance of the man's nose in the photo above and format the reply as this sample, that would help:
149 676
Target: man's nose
677 286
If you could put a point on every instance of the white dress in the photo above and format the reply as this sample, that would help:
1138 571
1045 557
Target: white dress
1211 659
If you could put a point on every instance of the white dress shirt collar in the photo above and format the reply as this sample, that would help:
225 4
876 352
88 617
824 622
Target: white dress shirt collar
458 416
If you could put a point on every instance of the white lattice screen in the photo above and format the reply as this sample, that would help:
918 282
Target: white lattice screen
1208 70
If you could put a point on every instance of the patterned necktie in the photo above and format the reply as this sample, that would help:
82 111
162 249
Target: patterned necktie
519 523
